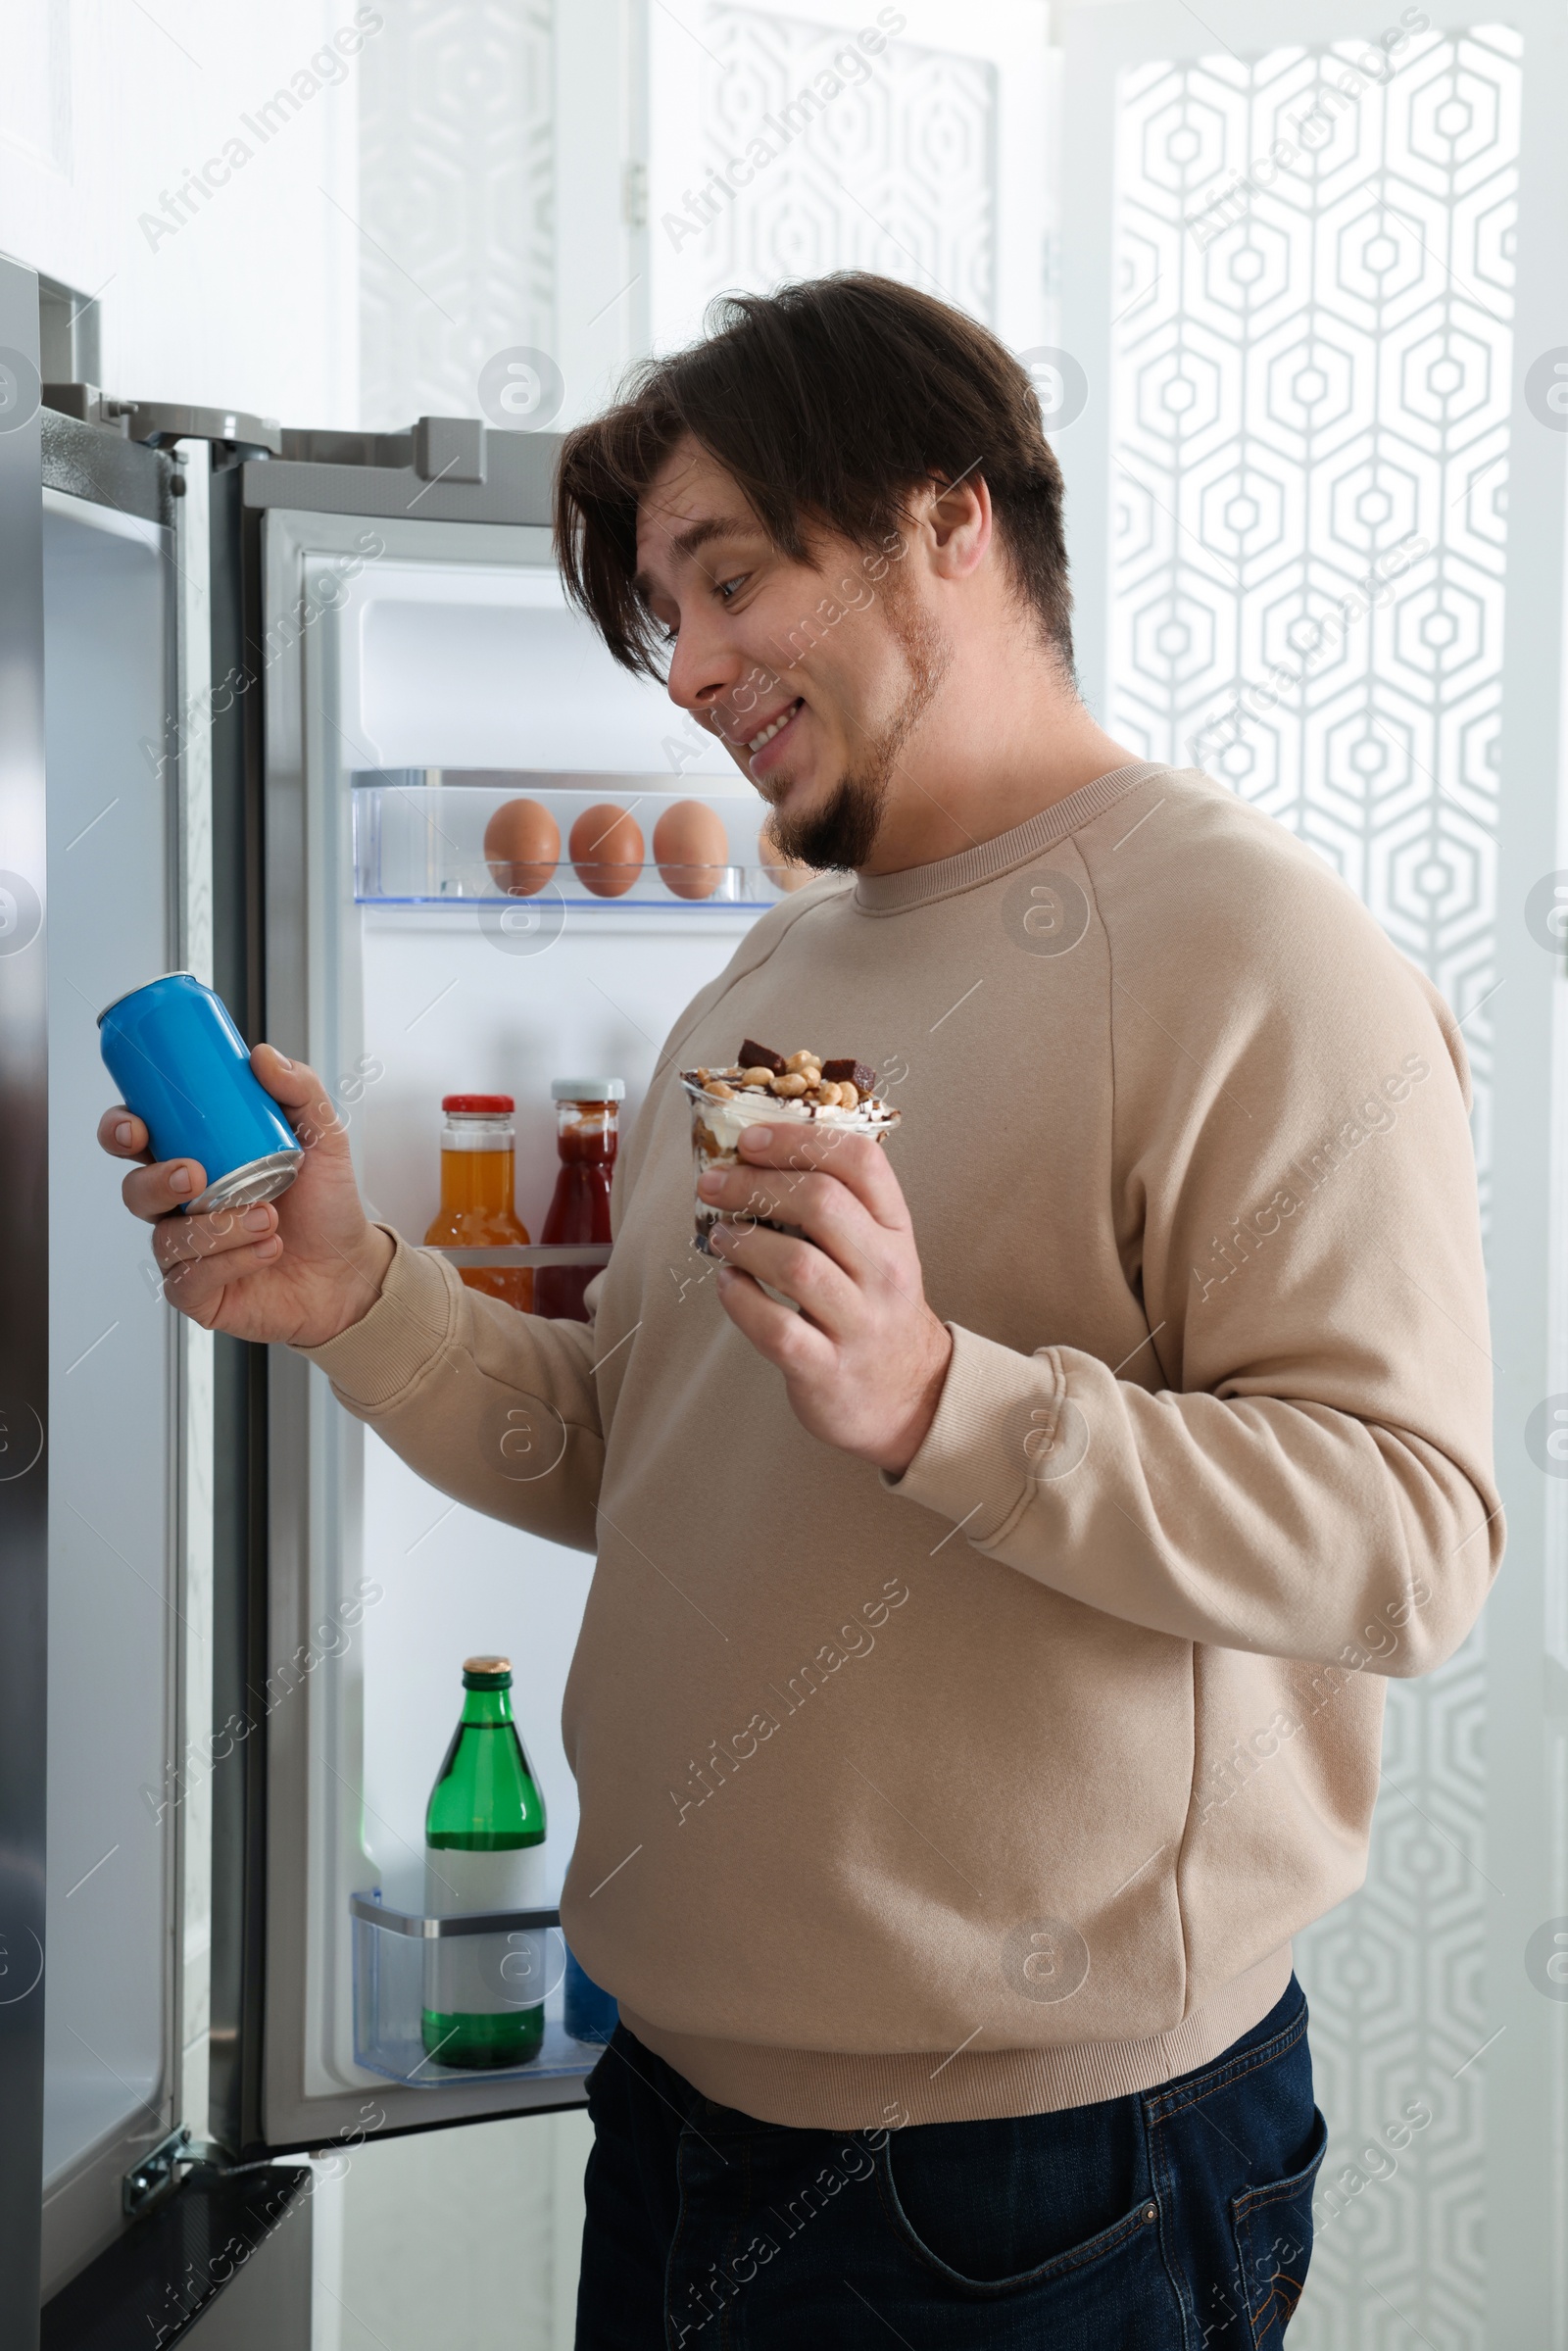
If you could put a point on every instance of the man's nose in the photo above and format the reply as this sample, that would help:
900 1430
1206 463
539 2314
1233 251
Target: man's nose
721 690
703 673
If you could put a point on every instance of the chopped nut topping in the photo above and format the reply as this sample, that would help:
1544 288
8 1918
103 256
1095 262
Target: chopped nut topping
863 1079
803 1078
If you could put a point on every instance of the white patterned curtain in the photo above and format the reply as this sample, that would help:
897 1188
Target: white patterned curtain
457 254
892 169
1314 256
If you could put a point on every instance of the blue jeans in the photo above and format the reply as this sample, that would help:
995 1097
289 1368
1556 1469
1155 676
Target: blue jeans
1177 2220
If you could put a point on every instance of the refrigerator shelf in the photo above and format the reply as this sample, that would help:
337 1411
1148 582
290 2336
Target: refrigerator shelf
418 843
392 1951
539 1252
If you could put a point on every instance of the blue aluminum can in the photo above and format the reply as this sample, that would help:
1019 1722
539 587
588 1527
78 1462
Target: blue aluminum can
184 1067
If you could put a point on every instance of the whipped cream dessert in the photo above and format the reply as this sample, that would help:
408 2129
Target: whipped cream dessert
763 1088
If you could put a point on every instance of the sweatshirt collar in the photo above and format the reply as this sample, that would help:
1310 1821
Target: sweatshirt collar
918 885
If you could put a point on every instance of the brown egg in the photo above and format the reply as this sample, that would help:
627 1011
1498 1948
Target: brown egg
785 873
692 849
607 850
521 847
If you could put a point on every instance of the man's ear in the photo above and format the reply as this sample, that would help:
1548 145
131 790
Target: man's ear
956 523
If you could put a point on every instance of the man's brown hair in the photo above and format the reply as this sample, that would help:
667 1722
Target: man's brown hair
829 403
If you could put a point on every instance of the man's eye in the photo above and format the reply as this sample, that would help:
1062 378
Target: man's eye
729 587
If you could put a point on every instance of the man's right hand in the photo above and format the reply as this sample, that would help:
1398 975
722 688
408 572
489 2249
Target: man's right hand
302 1268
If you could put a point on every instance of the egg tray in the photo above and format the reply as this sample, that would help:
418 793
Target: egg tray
419 843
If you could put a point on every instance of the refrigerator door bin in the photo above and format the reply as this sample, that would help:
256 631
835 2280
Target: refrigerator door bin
512 1954
418 843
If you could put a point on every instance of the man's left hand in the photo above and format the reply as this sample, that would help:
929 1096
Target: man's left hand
865 1359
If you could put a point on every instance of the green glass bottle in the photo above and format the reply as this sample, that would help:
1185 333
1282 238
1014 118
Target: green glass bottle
485 1836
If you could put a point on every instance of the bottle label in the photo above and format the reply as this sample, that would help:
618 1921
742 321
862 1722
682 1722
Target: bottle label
458 1882
485 1974
482 1135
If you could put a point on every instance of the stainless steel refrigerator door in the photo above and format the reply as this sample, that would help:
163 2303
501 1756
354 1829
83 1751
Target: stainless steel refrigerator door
24 1309
117 1615
90 1852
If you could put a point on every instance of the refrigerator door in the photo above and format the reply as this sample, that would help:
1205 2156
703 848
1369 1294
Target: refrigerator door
409 667
91 1976
110 2036
25 1320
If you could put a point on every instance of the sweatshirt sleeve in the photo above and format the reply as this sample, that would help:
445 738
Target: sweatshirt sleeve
1297 1460
496 1408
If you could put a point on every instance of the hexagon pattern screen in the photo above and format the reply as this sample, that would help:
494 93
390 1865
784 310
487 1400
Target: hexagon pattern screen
457 194
1311 384
892 170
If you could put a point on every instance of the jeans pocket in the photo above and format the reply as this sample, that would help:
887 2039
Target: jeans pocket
1274 2244
1070 2262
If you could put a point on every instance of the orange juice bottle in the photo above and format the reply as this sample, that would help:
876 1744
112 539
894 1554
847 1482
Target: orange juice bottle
477 1179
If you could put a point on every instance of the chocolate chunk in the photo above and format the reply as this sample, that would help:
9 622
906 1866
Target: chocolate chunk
761 1057
853 1073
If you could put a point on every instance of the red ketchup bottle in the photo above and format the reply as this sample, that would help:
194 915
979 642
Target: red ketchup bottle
587 1133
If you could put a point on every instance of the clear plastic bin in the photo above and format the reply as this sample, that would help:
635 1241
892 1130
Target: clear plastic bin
390 1951
421 843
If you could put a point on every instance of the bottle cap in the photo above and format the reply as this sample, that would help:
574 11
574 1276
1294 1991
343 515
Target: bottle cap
478 1106
486 1672
587 1090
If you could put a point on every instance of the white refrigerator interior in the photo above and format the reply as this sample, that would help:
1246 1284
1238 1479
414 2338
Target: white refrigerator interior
426 665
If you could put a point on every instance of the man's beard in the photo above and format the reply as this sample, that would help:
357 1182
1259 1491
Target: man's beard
840 836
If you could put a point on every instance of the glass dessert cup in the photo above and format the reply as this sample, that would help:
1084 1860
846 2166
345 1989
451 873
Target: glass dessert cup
719 1122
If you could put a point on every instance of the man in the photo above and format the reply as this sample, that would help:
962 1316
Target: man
982 1675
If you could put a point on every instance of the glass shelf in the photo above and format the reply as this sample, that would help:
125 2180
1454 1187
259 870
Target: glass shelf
421 843
535 1253
390 1948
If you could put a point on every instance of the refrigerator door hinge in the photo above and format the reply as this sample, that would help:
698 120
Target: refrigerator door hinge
160 421
86 404
149 2181
634 195
161 2168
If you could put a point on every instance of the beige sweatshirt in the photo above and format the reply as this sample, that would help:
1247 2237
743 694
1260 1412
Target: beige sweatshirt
1002 1786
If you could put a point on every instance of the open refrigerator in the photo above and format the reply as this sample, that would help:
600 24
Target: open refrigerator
156 586
283 681
441 677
